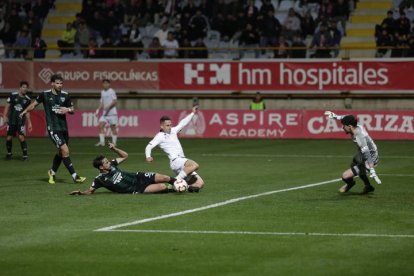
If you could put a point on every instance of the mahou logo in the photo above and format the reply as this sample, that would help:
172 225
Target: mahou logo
45 74
203 73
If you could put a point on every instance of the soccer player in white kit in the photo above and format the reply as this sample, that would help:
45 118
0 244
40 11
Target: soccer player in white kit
109 113
167 140
366 158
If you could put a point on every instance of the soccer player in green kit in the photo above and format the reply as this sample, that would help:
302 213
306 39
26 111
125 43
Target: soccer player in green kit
16 102
57 104
118 181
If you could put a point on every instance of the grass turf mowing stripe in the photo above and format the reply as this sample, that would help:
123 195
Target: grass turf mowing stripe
357 235
215 205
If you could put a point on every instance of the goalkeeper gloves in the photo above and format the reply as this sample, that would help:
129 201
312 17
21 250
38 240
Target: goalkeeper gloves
332 115
374 175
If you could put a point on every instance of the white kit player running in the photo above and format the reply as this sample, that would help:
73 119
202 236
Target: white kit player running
167 140
109 113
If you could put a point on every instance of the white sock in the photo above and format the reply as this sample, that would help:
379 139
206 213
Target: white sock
74 175
102 138
114 138
182 175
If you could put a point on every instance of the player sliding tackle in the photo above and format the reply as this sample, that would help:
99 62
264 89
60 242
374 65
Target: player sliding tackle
366 158
118 181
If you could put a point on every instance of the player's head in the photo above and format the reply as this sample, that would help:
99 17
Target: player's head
165 124
106 83
101 163
24 86
57 82
349 122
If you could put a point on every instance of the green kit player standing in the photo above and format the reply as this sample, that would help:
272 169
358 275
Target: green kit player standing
16 102
57 104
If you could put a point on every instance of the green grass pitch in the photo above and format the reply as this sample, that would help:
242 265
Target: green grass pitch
307 231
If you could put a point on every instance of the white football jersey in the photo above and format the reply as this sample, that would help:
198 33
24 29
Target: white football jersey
107 97
169 142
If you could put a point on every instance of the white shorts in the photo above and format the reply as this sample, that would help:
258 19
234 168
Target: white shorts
177 165
111 120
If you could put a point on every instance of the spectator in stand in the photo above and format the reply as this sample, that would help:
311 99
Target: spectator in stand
218 23
400 45
291 25
340 12
41 9
389 23
185 49
383 39
39 48
8 36
403 25
22 44
251 10
200 50
67 39
92 51
14 20
199 26
190 8
336 36
179 33
269 30
322 42
282 48
249 38
82 37
154 49
298 42
34 24
162 33
106 49
119 10
125 50
116 34
326 8
135 37
266 6
229 28
170 46
133 8
97 25
307 25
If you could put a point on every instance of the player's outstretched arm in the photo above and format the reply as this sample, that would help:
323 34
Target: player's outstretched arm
332 115
123 155
89 191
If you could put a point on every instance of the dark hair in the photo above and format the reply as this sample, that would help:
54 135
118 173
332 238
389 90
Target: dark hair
106 80
164 118
349 120
97 162
24 83
56 77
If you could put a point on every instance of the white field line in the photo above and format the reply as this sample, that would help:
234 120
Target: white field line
215 205
230 155
297 155
362 235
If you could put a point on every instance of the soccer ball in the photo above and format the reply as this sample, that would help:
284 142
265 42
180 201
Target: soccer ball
180 185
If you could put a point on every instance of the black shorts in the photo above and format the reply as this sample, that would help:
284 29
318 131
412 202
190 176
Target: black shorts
59 138
144 179
13 129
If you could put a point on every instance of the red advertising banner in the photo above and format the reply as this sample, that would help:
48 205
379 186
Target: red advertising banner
291 75
206 76
239 124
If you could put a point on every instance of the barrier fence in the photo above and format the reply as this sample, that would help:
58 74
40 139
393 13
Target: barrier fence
270 124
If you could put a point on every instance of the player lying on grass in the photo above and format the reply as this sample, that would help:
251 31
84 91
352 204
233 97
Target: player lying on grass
118 181
167 140
366 158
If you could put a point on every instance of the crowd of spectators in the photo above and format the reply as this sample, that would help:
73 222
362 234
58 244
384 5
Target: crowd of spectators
395 35
182 28
134 29
21 25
